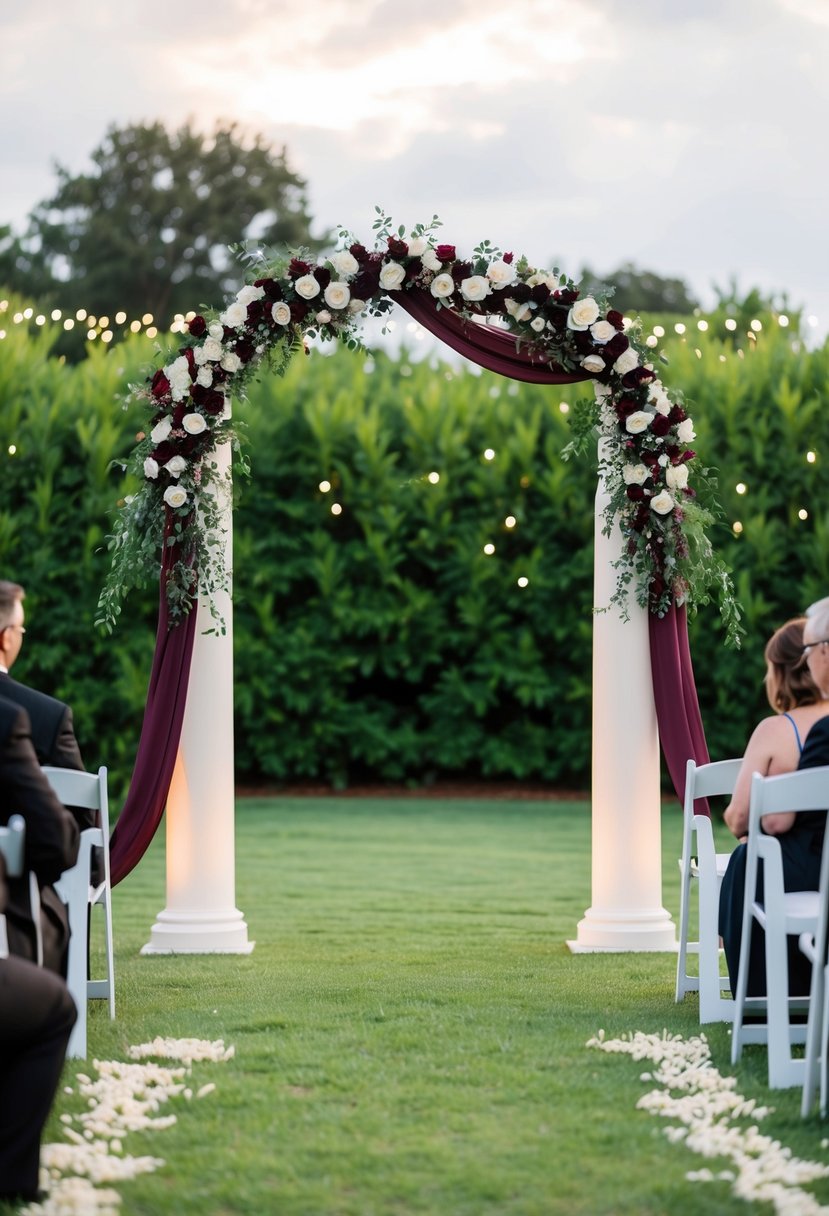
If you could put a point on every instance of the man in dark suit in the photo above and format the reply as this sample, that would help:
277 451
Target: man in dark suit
36 1018
52 837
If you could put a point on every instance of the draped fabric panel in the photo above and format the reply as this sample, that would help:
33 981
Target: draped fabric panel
158 744
677 709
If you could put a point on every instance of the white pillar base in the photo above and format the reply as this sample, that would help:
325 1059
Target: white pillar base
604 931
191 932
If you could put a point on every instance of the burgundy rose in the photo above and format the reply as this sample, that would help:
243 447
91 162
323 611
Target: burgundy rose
256 312
214 403
359 252
160 386
677 414
540 293
164 452
323 276
637 376
460 271
366 284
584 343
615 346
397 248
244 349
566 296
616 319
635 493
413 269
520 292
299 309
446 253
197 327
626 406
271 287
190 356
297 268
660 425
508 257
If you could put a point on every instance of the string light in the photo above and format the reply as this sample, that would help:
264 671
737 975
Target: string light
736 527
510 521
489 454
325 486
12 449
811 457
679 328
730 323
803 513
336 508
523 581
756 325
741 487
564 408
489 548
703 325
434 478
783 320
659 330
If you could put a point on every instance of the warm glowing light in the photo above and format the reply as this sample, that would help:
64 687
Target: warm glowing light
80 315
741 487
510 521
12 449
120 318
336 508
90 320
40 319
147 319
803 513
702 325
651 340
91 334
135 326
151 331
69 323
736 527
783 320
28 313
107 335
17 318
756 325
434 478
697 352
564 408
524 482
325 486
489 548
811 457
489 454
730 323
103 322
659 330
523 581
679 328
56 314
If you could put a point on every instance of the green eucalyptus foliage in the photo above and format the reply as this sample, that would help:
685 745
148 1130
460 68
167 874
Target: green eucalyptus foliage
381 641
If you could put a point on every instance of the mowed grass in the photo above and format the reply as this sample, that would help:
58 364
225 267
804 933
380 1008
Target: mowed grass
410 1029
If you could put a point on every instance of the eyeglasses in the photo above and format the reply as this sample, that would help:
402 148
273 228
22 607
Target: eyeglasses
811 645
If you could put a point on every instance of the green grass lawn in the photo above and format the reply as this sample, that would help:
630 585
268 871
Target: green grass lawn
410 1029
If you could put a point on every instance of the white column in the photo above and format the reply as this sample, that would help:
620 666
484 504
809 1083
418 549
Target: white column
626 912
201 915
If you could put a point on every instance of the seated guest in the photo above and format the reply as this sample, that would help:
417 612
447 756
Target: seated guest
797 683
36 1018
51 842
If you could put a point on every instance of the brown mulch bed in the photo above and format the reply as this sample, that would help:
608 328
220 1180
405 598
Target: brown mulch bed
496 790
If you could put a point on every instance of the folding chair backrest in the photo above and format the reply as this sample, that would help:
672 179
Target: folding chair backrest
13 845
806 790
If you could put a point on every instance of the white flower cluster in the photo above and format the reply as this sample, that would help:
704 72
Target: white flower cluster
126 1097
705 1103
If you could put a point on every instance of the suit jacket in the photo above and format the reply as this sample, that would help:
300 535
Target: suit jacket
53 733
52 837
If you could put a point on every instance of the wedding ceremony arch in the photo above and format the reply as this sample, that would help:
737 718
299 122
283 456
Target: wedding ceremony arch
653 559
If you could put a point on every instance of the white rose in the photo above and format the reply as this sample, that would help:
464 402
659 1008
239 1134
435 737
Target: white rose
537 324
178 373
519 311
356 306
211 351
637 422
685 432
430 260
249 293
392 276
583 313
500 273
626 361
476 287
161 430
307 287
337 295
215 330
662 503
635 474
176 465
676 476
175 496
281 313
151 468
602 331
344 263
661 402
417 246
543 277
323 317
194 423
204 376
593 363
442 286
230 361
234 315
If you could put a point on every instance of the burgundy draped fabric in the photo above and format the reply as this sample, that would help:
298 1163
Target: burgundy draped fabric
677 709
675 695
158 745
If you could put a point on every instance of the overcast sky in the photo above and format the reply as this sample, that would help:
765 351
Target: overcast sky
687 137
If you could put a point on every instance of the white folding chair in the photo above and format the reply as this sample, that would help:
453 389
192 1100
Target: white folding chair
813 945
12 846
701 866
780 914
88 790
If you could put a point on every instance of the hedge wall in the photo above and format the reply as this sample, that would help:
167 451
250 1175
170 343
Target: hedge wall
379 640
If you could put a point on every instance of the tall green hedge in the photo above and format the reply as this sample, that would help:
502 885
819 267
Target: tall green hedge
379 641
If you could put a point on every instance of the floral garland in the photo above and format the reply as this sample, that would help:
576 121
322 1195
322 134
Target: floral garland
645 431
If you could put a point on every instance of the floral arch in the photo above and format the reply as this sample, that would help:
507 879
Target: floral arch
496 310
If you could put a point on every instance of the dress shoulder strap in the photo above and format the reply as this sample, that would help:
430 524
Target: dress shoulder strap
796 732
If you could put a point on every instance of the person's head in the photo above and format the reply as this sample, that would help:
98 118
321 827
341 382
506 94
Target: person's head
789 681
816 644
11 622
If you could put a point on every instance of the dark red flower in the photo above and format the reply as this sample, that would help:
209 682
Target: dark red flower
540 293
359 252
164 452
366 283
616 318
213 403
271 287
508 257
323 276
635 493
626 406
397 248
660 425
566 296
637 376
461 271
197 326
244 349
190 356
677 414
297 268
160 386
615 346
520 292
446 253
299 309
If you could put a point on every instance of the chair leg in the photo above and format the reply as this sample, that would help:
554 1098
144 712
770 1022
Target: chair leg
682 985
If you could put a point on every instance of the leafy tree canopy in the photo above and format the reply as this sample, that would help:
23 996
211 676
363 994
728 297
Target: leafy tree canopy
148 228
638 290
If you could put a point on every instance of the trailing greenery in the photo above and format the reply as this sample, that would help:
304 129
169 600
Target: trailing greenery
411 1029
383 643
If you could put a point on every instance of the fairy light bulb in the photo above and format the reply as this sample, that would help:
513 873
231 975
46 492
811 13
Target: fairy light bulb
523 581
325 486
489 549
434 478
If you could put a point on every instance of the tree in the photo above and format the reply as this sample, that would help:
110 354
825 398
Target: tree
148 229
644 291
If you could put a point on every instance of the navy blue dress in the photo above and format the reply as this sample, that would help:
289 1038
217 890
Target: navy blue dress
801 849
